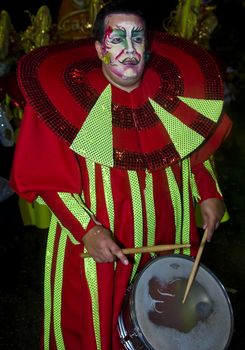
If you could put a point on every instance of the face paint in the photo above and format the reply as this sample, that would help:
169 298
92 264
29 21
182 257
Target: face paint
124 44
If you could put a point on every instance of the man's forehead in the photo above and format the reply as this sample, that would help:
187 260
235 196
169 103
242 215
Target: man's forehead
123 19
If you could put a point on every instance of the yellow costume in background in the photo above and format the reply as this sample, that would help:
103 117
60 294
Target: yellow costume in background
76 18
34 214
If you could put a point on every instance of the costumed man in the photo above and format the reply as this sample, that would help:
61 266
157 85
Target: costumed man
119 149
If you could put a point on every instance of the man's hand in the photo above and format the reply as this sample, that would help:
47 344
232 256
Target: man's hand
101 247
212 211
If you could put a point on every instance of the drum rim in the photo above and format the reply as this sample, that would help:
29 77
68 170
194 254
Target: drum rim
181 256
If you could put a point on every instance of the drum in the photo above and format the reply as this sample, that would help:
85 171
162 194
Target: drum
153 316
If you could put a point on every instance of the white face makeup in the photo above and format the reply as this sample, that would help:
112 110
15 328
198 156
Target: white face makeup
124 46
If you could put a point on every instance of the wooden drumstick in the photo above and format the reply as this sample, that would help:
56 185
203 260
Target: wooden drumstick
152 249
195 266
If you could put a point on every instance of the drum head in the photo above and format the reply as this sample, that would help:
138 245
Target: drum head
203 322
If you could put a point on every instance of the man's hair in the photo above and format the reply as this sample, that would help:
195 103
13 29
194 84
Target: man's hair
119 7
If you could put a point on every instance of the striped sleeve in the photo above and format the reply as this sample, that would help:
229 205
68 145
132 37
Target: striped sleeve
204 181
71 212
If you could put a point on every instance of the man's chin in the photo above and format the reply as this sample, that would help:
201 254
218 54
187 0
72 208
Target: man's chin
127 78
129 74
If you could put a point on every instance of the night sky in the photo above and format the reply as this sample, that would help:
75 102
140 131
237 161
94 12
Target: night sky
155 13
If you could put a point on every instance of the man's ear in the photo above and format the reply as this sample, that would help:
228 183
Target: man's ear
98 48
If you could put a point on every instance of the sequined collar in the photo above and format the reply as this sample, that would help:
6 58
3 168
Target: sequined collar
166 118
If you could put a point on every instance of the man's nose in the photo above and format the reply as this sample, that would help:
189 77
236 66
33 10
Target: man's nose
130 46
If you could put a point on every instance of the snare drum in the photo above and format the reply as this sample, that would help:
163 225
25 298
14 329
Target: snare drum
153 315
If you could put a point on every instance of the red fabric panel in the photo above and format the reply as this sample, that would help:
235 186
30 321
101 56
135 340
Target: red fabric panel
188 66
194 238
77 324
101 207
136 141
55 88
42 162
165 230
214 142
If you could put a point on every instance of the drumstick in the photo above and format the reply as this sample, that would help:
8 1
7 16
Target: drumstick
195 266
151 249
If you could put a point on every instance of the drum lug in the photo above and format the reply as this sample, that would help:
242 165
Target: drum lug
134 334
132 342
126 341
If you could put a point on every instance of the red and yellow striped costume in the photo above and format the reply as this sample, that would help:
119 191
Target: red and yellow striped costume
137 162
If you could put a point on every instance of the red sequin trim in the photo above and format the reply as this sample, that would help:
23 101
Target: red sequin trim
213 86
76 81
152 161
46 111
202 125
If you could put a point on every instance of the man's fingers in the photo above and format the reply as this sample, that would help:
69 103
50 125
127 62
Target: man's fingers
109 252
217 225
102 247
210 226
119 254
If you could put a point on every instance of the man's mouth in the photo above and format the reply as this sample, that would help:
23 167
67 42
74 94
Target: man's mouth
130 61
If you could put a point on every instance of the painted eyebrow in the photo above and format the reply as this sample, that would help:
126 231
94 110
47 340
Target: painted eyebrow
137 30
119 31
122 31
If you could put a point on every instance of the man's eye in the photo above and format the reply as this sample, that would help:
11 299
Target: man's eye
116 40
138 39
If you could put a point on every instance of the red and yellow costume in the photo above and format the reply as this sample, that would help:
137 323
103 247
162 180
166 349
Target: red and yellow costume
137 162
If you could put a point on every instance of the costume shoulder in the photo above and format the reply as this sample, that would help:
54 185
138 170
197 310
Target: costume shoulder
42 162
187 69
46 77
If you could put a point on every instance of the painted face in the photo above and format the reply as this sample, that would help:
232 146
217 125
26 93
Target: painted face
123 46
